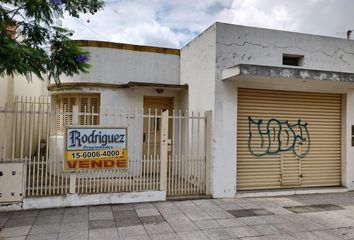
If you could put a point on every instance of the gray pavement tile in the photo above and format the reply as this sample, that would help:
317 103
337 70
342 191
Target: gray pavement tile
143 205
182 224
266 229
145 237
152 219
74 227
204 203
147 212
344 233
306 236
48 219
100 215
252 220
195 213
15 238
137 230
261 212
231 222
26 213
241 213
208 224
51 212
326 235
14 231
194 235
127 221
243 232
283 236
18 222
332 223
103 234
218 213
68 218
99 224
314 208
6 214
158 228
278 210
76 210
165 236
218 233
3 222
274 219
182 204
124 213
49 236
290 227
100 208
118 207
44 229
73 235
255 238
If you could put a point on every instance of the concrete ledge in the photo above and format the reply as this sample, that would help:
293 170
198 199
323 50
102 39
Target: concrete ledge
285 72
74 200
289 192
5 207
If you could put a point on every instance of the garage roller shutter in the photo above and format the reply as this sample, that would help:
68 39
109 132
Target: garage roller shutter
320 166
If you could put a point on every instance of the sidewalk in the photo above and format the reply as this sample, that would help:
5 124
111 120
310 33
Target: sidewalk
318 216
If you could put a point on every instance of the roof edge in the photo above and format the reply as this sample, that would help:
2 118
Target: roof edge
126 46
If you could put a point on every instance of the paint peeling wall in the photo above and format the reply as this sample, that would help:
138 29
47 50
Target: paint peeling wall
244 45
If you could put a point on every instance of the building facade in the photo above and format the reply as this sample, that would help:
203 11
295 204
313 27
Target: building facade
249 109
282 107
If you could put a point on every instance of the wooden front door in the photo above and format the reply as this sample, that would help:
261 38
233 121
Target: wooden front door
153 107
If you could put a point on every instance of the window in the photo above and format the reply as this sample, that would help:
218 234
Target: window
293 60
88 109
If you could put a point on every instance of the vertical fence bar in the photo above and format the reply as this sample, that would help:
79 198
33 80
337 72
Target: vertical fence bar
14 125
75 121
22 128
4 145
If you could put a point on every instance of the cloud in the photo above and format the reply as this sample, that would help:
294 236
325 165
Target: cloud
174 23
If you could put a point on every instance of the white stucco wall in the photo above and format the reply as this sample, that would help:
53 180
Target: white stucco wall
119 66
243 45
198 70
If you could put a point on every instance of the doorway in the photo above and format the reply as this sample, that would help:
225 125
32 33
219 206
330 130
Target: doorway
153 107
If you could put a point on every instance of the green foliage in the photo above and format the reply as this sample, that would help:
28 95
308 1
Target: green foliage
31 44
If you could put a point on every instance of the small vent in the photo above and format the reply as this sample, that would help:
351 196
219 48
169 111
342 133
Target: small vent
293 60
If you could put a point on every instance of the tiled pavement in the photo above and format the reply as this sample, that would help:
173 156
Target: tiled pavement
318 216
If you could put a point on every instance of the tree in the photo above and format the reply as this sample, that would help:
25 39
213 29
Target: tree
30 43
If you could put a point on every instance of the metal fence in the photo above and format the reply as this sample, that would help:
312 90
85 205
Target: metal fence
167 151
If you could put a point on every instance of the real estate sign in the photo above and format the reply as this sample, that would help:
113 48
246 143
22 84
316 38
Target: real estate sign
95 148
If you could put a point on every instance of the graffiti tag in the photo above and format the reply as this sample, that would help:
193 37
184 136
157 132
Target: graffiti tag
276 136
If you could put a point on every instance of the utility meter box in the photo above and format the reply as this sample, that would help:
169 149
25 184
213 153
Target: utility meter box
11 182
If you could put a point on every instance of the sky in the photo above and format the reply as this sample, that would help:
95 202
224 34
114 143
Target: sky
174 23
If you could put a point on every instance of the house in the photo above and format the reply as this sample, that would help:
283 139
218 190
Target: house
267 110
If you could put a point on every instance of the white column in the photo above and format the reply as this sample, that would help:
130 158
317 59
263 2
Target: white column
224 143
347 148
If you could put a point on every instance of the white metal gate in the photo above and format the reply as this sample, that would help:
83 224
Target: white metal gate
30 134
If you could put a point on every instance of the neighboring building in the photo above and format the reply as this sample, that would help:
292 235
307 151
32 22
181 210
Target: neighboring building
244 75
123 75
